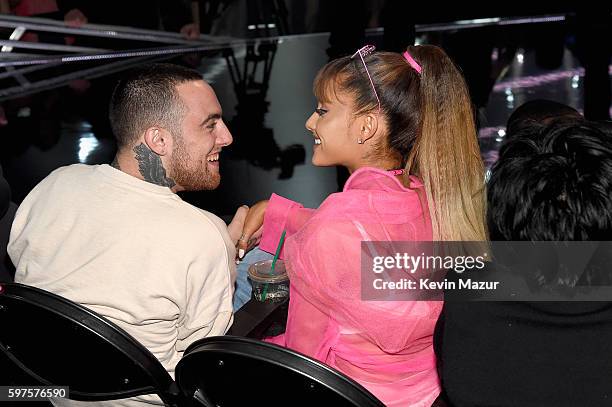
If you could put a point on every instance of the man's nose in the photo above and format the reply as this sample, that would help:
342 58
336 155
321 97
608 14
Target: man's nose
225 137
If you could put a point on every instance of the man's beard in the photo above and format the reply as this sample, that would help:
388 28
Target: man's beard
191 174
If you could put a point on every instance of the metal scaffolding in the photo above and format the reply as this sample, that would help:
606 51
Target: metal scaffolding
39 56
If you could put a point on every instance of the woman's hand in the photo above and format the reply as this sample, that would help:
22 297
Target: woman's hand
237 224
253 226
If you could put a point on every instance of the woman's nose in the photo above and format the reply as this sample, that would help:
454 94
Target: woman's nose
311 122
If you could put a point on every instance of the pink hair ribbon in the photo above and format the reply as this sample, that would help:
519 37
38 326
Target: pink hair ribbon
412 62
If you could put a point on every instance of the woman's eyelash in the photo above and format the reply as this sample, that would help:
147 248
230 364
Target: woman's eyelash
320 111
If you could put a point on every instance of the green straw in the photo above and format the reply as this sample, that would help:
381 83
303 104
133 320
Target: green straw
278 250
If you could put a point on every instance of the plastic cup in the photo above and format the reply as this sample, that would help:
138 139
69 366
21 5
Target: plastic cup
268 285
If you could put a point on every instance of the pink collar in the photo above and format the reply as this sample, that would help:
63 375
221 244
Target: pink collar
362 173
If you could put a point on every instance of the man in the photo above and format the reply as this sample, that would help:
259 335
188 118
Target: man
551 183
118 240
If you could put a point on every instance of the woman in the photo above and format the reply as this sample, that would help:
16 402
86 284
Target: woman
403 126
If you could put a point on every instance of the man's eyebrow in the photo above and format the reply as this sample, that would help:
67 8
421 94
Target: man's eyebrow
212 116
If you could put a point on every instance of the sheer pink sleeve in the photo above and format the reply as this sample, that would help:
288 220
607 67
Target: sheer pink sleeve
282 214
325 266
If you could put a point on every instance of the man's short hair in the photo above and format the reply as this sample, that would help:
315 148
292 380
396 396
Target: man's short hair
147 97
553 183
540 112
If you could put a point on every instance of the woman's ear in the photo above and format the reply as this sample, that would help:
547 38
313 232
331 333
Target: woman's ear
368 127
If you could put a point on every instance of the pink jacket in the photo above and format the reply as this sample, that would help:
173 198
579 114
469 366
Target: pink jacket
386 346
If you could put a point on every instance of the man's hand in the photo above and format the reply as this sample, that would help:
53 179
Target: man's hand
75 18
191 31
253 226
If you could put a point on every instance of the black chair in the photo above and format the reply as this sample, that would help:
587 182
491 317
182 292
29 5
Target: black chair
231 371
48 340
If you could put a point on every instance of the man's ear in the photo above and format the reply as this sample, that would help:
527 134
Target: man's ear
158 140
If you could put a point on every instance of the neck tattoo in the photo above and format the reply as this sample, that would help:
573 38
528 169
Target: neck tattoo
151 167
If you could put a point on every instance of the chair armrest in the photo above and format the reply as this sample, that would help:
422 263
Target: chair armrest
255 318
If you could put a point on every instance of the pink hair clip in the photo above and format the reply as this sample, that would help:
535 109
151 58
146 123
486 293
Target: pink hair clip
364 51
412 62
